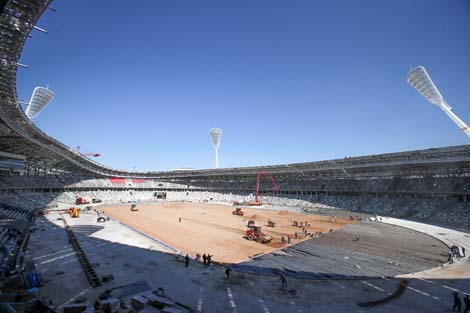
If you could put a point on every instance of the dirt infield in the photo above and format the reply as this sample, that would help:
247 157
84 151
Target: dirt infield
213 229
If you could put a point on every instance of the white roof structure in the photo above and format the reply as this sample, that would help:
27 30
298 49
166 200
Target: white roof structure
39 100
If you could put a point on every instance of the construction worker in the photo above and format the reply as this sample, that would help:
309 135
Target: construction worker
283 280
227 273
457 302
186 259
466 301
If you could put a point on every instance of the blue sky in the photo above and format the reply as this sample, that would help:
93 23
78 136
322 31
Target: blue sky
142 82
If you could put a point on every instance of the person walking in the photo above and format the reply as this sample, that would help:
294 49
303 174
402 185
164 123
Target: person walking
204 258
186 259
463 251
457 303
227 273
283 281
466 301
209 259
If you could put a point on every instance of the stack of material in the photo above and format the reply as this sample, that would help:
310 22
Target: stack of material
171 310
157 301
150 309
139 302
75 308
110 305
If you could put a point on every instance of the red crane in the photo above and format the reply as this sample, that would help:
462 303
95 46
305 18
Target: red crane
257 185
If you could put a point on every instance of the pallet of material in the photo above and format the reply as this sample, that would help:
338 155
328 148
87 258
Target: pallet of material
139 302
158 302
171 310
75 308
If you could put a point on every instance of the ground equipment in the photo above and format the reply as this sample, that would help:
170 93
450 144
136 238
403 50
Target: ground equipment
81 200
254 233
160 195
73 212
238 211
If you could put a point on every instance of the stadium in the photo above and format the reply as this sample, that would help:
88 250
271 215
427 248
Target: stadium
379 233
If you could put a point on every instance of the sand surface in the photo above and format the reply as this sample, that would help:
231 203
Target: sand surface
212 228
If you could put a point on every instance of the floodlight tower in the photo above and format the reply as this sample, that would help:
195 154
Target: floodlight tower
420 80
216 135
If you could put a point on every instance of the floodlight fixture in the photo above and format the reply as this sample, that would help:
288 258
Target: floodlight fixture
216 136
420 80
39 100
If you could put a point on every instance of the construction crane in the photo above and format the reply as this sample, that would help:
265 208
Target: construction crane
88 154
270 175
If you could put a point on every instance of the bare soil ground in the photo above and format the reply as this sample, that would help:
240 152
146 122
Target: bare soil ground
212 228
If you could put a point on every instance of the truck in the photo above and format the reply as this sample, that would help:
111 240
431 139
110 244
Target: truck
81 200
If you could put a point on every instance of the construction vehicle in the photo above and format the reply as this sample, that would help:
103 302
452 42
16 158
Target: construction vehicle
271 223
160 195
254 233
73 212
81 200
238 211
134 207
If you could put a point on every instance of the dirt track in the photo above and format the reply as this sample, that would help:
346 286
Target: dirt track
213 229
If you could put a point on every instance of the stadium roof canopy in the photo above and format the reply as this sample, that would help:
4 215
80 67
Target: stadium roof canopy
20 136
39 100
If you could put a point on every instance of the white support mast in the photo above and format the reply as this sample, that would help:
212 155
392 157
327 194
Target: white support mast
420 80
216 136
